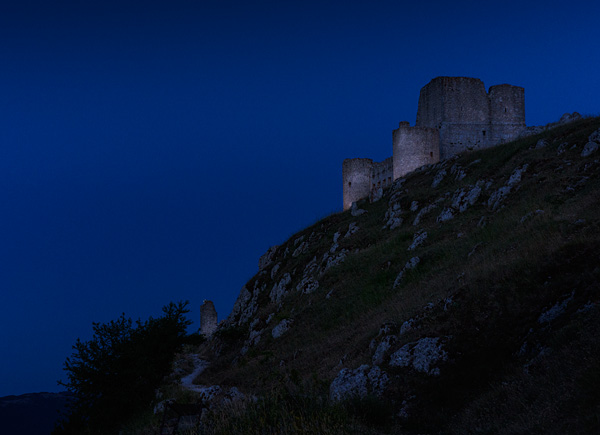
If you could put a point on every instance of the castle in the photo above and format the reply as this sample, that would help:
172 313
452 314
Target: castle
455 114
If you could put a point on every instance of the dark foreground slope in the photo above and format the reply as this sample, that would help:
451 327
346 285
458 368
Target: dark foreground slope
488 323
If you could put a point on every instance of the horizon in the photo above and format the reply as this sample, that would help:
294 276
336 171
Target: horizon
152 153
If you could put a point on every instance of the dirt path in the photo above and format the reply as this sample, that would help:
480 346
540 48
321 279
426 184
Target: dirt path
199 366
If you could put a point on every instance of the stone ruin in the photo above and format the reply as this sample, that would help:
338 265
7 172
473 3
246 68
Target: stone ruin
208 318
454 114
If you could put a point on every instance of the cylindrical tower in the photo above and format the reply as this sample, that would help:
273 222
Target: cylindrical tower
357 175
208 318
414 147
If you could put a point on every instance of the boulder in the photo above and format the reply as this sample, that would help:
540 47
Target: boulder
421 356
355 211
589 149
358 383
281 328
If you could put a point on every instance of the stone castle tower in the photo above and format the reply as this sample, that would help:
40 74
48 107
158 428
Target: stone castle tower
454 114
208 318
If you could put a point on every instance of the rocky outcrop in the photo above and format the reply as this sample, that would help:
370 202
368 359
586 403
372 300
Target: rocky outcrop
421 356
281 328
267 258
358 383
497 197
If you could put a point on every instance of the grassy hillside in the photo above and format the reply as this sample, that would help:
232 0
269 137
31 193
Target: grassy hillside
507 283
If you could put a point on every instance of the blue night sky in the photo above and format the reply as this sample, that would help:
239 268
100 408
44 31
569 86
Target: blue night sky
152 151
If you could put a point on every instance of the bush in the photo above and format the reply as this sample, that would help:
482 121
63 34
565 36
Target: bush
114 375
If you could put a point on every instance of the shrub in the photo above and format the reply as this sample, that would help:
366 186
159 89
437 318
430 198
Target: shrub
114 375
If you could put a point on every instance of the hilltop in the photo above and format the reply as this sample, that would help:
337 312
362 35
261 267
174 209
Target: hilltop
464 300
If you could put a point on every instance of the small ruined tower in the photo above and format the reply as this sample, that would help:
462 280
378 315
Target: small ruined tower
208 318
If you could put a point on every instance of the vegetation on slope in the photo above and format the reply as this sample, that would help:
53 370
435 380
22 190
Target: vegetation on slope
485 282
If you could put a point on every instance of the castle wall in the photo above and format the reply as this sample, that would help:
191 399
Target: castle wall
414 147
456 138
467 117
460 100
507 112
356 177
455 114
383 174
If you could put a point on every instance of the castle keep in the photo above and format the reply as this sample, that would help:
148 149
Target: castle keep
454 114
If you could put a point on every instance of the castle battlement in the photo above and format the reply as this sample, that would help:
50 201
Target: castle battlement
454 114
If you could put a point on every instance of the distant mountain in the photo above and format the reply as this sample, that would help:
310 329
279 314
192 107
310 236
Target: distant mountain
31 414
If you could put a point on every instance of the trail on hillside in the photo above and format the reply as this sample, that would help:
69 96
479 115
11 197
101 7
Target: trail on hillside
200 365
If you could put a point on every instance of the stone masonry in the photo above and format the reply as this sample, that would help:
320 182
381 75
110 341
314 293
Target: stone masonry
208 319
454 114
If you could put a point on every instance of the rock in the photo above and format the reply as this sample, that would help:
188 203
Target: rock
208 394
245 306
589 149
497 197
421 356
386 329
445 215
300 249
267 258
280 289
383 349
569 117
542 143
352 228
393 214
465 197
414 206
515 177
438 178
358 383
308 285
334 260
555 311
425 210
376 195
215 396
458 172
335 244
562 148
274 270
407 326
410 264
595 136
281 328
397 184
355 211
475 248
160 406
418 239
531 214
